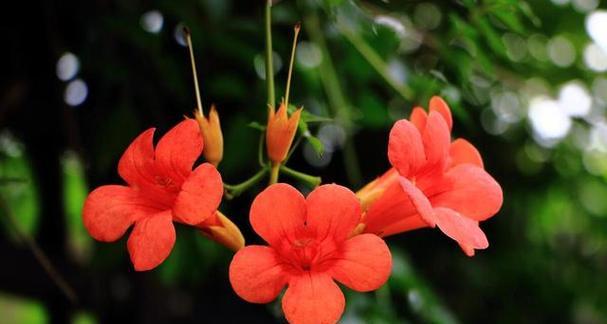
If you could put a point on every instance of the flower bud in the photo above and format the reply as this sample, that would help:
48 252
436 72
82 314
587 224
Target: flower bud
210 129
223 231
280 132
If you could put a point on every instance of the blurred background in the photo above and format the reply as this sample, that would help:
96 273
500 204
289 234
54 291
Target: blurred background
526 81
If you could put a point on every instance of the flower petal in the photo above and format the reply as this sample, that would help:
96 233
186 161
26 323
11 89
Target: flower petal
200 195
405 148
419 200
463 230
364 263
313 298
439 105
418 118
470 191
391 207
256 274
136 166
110 210
333 212
376 188
151 241
462 151
406 224
178 149
436 139
277 213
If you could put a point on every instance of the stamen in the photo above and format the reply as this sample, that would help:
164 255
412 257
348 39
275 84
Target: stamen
296 28
188 37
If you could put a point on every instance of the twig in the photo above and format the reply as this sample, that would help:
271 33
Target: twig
40 256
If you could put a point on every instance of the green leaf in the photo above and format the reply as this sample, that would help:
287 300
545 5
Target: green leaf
316 144
257 126
21 196
74 193
20 310
528 12
311 118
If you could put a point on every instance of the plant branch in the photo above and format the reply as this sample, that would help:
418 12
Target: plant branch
310 180
40 256
235 190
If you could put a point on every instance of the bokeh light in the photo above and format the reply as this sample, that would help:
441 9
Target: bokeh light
68 66
76 92
595 58
259 64
308 55
152 21
596 27
561 51
179 36
574 99
549 122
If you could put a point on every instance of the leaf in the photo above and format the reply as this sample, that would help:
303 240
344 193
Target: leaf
21 197
311 118
527 11
257 126
316 143
510 19
74 193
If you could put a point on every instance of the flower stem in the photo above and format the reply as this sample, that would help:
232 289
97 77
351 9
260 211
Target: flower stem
260 155
310 180
235 190
269 63
274 173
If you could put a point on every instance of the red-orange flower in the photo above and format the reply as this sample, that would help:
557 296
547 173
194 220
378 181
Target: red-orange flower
309 249
433 182
162 188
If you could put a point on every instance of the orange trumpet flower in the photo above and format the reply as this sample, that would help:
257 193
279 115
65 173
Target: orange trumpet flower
309 249
433 182
161 189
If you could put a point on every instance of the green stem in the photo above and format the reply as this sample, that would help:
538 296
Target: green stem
375 61
269 63
311 180
235 190
260 155
274 171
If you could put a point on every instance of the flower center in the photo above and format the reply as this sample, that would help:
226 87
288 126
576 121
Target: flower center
166 183
304 253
